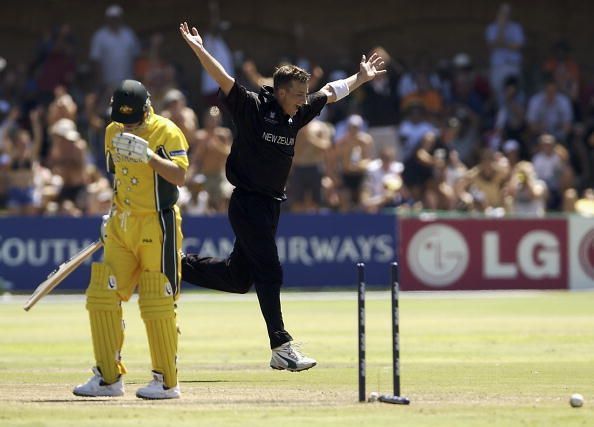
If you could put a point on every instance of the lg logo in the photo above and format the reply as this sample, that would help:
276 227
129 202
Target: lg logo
438 255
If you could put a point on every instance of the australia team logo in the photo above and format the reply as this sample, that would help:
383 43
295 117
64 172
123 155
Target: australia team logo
438 255
586 253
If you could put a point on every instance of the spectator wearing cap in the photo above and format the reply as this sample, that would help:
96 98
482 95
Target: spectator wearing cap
353 153
511 151
114 47
176 109
505 39
549 111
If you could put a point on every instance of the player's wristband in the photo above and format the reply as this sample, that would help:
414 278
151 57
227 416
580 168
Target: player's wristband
340 88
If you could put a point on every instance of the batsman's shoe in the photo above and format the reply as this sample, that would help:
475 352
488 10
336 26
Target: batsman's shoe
289 357
156 389
96 387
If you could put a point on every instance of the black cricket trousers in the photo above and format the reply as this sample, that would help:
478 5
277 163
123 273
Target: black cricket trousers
254 260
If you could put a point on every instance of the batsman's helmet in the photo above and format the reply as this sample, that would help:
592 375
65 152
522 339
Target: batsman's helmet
129 102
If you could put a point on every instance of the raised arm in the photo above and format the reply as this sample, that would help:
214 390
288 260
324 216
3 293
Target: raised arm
368 70
210 64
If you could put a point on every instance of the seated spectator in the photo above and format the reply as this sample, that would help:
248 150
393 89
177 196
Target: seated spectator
525 193
353 152
309 167
549 111
549 167
383 183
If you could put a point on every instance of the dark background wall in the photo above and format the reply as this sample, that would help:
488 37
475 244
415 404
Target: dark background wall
335 32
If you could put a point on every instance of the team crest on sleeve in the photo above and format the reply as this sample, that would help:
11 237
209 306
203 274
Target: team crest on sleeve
176 153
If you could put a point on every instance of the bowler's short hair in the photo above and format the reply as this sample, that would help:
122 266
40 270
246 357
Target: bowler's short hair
284 75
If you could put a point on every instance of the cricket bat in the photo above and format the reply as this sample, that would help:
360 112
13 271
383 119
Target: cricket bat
60 273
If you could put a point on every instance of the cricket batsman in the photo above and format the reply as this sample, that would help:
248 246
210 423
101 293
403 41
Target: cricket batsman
142 240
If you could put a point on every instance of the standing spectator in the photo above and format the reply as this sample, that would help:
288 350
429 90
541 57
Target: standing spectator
412 129
312 146
208 158
549 111
114 48
511 151
379 103
353 151
55 64
218 48
258 166
510 121
505 39
23 152
566 72
68 159
152 68
469 89
419 170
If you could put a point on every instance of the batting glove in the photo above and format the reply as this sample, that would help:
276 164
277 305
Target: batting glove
132 147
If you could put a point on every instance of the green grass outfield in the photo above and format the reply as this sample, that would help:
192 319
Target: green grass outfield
470 359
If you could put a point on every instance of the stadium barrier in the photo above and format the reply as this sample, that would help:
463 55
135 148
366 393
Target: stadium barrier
436 253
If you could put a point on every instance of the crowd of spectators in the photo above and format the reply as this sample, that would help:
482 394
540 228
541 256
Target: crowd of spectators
427 135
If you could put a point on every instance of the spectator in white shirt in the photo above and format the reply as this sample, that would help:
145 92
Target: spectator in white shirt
114 47
549 111
505 39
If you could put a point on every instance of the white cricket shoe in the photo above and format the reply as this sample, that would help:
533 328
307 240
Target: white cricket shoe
289 357
96 387
156 389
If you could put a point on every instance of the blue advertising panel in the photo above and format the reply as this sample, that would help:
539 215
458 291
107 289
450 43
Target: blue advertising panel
315 250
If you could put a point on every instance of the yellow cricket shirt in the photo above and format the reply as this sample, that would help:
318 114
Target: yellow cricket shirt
138 188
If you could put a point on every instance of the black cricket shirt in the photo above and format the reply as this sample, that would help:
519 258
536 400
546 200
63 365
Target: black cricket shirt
264 144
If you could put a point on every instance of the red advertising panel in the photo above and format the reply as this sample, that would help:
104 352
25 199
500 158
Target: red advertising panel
471 254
